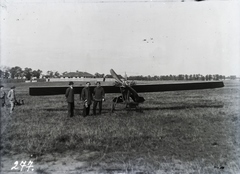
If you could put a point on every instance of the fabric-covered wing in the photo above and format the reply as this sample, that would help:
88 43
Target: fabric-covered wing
177 86
38 91
56 90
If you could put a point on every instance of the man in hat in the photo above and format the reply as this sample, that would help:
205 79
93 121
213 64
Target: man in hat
70 99
87 99
2 96
12 98
98 98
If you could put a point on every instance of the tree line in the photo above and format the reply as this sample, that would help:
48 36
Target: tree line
19 73
173 77
181 77
26 73
29 73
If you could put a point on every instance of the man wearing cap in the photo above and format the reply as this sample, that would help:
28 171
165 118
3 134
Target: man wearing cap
87 99
70 99
12 98
98 98
2 96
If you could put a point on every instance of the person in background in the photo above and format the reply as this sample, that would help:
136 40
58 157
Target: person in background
70 99
2 96
86 96
12 98
98 98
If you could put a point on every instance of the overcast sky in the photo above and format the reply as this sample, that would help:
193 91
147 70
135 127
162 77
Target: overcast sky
140 38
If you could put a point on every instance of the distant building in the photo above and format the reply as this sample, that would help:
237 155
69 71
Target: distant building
77 75
233 77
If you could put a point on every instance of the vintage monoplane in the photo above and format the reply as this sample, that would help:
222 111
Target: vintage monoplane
128 90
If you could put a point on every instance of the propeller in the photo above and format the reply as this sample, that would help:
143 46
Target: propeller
127 85
115 76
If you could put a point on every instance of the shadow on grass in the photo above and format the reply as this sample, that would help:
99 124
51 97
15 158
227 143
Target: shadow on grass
182 107
58 109
106 110
77 111
144 108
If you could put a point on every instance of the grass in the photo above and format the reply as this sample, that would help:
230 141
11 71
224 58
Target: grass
178 132
41 171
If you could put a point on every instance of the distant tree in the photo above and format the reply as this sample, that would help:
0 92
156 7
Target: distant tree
5 72
34 73
233 77
50 74
57 74
37 73
198 77
98 75
16 72
65 72
190 77
202 77
207 77
180 77
132 78
161 77
28 73
210 77
194 77
155 78
108 76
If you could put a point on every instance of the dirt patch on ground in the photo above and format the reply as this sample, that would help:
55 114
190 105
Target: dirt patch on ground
50 164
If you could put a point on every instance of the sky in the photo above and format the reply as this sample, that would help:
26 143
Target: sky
137 37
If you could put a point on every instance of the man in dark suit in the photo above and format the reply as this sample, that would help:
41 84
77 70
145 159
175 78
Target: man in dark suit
87 99
98 98
70 99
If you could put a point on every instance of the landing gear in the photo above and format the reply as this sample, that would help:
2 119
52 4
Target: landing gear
115 101
128 105
127 94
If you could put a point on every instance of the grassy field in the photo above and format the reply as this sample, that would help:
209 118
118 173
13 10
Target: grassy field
178 132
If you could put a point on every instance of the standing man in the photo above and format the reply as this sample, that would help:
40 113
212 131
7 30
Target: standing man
98 98
87 99
2 96
70 99
12 98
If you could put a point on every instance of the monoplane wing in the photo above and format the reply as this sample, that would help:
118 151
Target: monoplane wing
141 88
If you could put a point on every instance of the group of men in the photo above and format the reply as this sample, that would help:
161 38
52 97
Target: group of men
97 96
11 97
